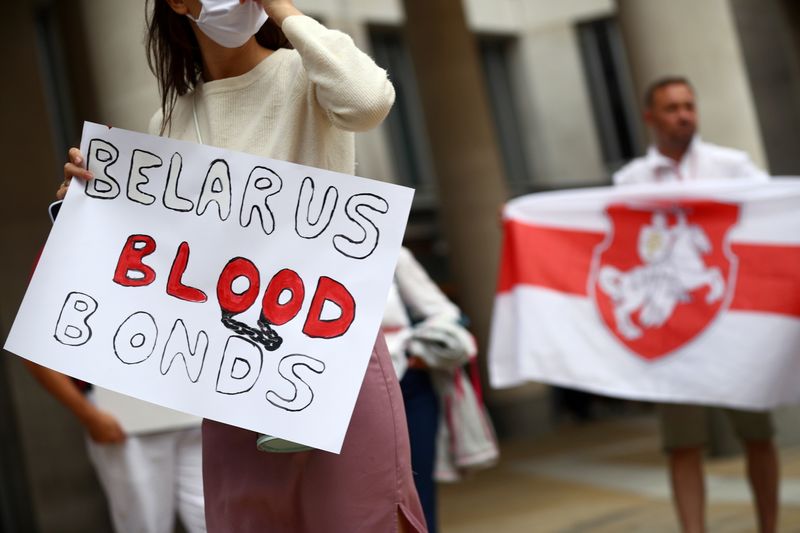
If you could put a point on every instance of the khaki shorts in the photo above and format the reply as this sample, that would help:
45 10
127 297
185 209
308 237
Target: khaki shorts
686 426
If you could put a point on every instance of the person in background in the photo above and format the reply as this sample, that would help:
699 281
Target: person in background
448 428
262 78
678 154
147 477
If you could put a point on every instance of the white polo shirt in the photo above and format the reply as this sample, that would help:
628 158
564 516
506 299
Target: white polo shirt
701 161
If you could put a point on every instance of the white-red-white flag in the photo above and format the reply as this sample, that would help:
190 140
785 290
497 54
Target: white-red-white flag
685 292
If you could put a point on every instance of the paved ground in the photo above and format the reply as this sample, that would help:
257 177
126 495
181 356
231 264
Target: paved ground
602 477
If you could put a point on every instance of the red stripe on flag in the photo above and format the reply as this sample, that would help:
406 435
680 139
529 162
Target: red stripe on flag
768 278
546 257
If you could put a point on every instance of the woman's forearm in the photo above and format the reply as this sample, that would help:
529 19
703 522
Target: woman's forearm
353 91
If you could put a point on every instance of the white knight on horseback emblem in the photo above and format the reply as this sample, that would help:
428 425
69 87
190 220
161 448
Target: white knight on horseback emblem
672 267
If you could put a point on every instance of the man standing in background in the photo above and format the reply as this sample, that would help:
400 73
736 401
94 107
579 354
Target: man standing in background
678 154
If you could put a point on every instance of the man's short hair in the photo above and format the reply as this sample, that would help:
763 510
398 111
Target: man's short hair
660 84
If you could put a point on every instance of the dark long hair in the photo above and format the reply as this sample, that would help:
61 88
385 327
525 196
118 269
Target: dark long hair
173 52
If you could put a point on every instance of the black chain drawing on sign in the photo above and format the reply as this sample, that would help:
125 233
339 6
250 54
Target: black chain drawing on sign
264 335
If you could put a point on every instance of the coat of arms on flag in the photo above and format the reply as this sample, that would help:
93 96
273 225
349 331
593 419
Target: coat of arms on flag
663 273
685 292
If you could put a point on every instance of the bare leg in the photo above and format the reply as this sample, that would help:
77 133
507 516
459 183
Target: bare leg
688 489
762 470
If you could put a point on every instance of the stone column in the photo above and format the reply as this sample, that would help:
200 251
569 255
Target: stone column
470 181
698 40
772 56
470 174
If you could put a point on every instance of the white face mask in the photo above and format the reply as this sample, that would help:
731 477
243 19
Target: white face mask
229 23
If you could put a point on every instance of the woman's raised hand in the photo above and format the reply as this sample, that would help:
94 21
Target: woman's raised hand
277 10
73 168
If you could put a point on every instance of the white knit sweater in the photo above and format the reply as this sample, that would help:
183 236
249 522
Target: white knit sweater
298 105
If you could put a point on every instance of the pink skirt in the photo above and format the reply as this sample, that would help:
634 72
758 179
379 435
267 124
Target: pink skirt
363 489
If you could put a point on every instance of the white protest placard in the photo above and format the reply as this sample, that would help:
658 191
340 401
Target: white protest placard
221 284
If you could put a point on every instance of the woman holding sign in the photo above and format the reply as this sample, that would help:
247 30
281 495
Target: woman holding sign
229 79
